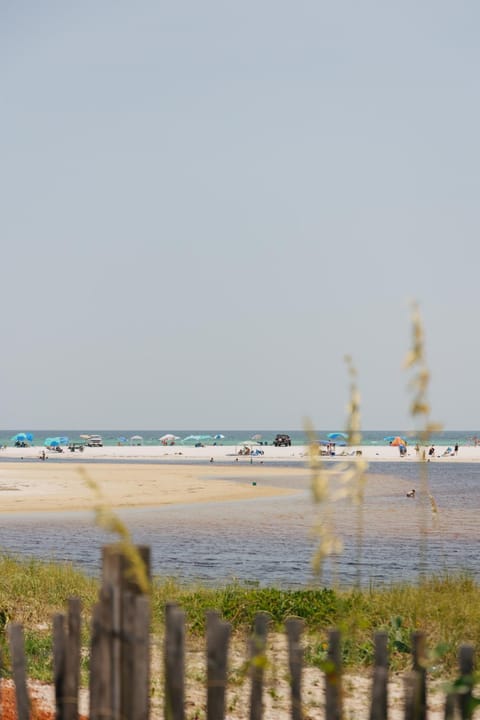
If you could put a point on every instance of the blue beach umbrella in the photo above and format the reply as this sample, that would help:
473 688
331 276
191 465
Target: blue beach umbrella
337 436
219 436
22 437
51 442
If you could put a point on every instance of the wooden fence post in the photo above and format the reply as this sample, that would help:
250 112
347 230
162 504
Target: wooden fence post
141 705
72 661
120 575
257 648
465 660
136 656
419 666
59 642
101 658
413 693
19 668
218 634
294 628
174 659
333 677
379 700
450 707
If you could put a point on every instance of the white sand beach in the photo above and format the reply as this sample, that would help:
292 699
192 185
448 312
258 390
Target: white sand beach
51 486
234 453
158 475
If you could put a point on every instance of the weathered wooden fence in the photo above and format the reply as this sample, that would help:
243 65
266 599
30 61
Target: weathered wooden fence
119 685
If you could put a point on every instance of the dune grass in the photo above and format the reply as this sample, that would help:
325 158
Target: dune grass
447 608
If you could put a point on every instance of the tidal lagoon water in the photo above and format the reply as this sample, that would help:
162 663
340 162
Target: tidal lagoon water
270 542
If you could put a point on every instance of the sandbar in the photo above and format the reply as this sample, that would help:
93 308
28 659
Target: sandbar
149 476
60 486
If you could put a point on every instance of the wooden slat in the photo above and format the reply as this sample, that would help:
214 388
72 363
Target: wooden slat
419 655
135 652
117 570
115 650
218 634
72 660
19 669
119 575
466 664
333 677
257 648
100 659
379 699
128 678
450 707
141 690
174 660
294 628
412 685
59 653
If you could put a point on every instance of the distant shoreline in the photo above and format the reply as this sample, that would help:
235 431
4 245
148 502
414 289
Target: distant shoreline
148 476
236 453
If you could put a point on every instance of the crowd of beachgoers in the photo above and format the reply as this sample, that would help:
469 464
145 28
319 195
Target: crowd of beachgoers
251 452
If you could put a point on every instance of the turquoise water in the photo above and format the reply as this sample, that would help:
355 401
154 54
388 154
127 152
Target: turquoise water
231 437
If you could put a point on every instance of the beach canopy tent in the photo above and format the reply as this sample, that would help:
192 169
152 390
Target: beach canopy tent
22 437
196 438
51 442
136 439
168 437
55 441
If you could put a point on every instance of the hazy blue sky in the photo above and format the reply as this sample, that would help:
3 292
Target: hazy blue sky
206 205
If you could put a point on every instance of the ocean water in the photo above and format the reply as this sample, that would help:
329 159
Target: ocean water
231 437
269 541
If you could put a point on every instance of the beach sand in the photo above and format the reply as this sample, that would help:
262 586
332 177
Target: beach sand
50 485
147 476
231 453
277 691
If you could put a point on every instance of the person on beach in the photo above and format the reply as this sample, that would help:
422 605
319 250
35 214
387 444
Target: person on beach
455 449
431 451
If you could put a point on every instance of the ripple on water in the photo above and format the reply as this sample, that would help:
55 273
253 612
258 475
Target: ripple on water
270 541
